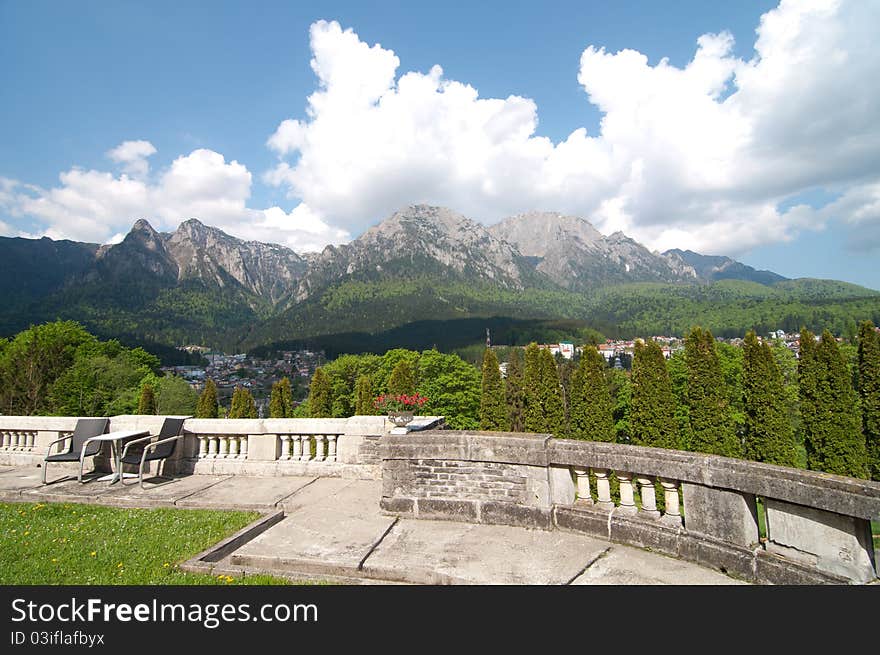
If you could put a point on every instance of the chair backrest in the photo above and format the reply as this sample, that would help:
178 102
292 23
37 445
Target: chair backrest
86 428
171 427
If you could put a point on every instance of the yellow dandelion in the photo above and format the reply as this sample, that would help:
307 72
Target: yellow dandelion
93 553
119 566
26 533
166 565
54 559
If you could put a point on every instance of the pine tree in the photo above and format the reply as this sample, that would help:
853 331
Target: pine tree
286 397
402 380
532 410
281 400
363 392
839 426
493 409
147 400
591 415
711 421
514 392
652 412
550 396
235 403
320 401
869 393
243 405
207 405
769 436
808 391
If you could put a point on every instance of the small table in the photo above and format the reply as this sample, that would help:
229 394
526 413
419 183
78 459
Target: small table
116 439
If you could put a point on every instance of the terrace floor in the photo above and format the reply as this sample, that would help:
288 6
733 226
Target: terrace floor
333 530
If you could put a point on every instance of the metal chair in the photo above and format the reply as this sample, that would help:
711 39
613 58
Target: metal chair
161 449
85 429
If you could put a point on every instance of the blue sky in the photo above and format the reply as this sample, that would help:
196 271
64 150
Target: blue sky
166 110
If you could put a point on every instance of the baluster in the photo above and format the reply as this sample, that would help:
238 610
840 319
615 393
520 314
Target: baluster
307 447
31 438
233 446
203 446
583 485
285 446
4 438
319 447
16 440
297 447
627 500
670 493
212 447
243 447
224 446
331 447
603 488
649 497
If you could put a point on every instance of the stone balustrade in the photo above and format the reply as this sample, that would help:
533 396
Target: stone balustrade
344 447
24 439
702 508
17 440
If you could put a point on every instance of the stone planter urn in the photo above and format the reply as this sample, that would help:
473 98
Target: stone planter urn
400 419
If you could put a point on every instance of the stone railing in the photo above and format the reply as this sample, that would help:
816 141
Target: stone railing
817 525
331 447
24 439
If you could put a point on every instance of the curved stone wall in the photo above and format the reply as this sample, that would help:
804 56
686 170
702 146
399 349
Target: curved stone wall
817 525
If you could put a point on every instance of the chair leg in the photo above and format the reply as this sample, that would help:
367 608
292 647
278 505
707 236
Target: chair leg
45 466
122 474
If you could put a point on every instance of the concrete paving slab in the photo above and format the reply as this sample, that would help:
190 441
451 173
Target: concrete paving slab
327 491
16 480
623 565
441 552
240 492
164 494
69 491
330 535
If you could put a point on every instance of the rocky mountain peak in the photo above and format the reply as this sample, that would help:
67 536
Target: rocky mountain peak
535 232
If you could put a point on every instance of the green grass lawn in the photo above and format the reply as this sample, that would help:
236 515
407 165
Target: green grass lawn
65 543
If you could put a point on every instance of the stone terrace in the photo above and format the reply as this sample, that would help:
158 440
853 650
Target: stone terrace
354 500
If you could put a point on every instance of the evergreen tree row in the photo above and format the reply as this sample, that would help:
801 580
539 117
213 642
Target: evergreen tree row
749 402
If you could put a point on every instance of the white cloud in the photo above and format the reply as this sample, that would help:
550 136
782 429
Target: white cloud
698 156
133 157
98 206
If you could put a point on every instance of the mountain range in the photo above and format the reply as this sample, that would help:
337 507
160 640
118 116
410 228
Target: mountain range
200 285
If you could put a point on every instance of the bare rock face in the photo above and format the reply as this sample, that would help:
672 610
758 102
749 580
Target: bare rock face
141 252
211 255
536 234
420 240
572 253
